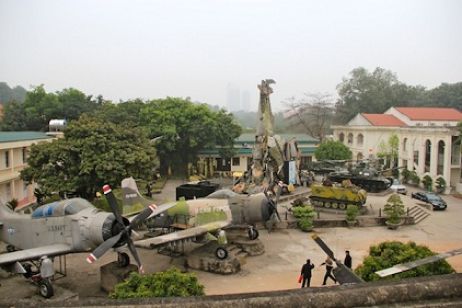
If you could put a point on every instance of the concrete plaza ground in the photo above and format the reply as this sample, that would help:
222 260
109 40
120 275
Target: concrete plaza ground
286 251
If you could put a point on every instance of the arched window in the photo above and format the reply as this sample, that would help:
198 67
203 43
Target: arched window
360 139
341 137
428 151
404 144
440 162
359 156
350 138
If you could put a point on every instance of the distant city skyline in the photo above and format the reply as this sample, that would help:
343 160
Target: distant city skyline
194 48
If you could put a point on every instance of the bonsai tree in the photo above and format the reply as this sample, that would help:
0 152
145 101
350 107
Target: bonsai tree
427 182
304 215
351 214
394 209
440 184
387 254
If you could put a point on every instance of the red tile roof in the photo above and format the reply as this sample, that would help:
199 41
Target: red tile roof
431 113
378 119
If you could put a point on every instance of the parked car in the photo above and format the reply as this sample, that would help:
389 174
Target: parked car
397 187
436 201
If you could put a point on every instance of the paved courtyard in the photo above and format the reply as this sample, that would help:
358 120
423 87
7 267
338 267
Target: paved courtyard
286 251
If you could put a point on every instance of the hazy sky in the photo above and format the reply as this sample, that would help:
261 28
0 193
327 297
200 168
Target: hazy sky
152 49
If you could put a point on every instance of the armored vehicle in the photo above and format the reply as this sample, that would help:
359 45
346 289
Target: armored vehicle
337 196
367 178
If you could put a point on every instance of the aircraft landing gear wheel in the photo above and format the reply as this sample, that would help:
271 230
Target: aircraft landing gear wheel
123 260
253 234
45 288
221 253
10 248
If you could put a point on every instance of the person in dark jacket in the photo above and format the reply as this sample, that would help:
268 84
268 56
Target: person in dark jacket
306 273
347 261
329 266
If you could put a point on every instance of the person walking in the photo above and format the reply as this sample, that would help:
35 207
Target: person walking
348 260
329 266
306 273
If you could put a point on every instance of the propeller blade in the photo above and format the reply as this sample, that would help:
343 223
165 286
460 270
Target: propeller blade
134 252
143 215
323 246
104 247
112 203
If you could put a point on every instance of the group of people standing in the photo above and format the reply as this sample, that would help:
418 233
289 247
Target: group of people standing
305 274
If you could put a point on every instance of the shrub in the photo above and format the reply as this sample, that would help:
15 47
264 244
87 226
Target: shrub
304 215
414 178
406 174
427 182
351 212
440 184
394 209
387 254
163 284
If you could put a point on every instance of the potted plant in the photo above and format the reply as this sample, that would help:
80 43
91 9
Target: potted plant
394 209
427 182
440 185
352 212
406 174
304 215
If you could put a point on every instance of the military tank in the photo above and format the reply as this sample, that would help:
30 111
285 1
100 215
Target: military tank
337 196
369 179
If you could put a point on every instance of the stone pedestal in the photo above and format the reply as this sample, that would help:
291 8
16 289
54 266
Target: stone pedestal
112 274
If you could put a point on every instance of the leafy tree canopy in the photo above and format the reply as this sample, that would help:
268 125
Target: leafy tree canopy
387 254
40 107
334 150
126 113
163 284
92 153
186 128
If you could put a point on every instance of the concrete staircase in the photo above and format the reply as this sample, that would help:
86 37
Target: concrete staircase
418 213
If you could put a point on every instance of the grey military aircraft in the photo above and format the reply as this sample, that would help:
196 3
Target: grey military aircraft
63 227
75 225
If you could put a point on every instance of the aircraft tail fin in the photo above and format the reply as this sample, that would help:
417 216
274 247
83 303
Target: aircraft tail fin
133 201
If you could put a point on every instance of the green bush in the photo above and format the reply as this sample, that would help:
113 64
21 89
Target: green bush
414 178
394 209
406 174
352 212
440 185
304 215
427 182
163 284
388 254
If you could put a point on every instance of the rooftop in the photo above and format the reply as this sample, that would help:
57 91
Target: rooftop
431 113
22 136
378 119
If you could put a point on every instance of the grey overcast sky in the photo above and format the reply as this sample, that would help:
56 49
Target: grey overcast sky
196 48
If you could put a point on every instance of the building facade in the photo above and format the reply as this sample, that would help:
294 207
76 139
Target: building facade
14 148
211 162
429 140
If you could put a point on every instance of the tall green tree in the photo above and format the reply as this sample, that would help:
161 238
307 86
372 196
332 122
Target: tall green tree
186 128
445 95
126 113
332 150
373 92
7 94
40 107
92 153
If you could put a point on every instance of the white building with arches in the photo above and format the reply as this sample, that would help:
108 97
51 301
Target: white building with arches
429 140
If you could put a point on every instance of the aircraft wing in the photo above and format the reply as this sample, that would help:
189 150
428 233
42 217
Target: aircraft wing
180 235
34 253
159 210
410 265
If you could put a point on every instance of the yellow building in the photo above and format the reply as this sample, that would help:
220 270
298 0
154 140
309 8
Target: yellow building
14 148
